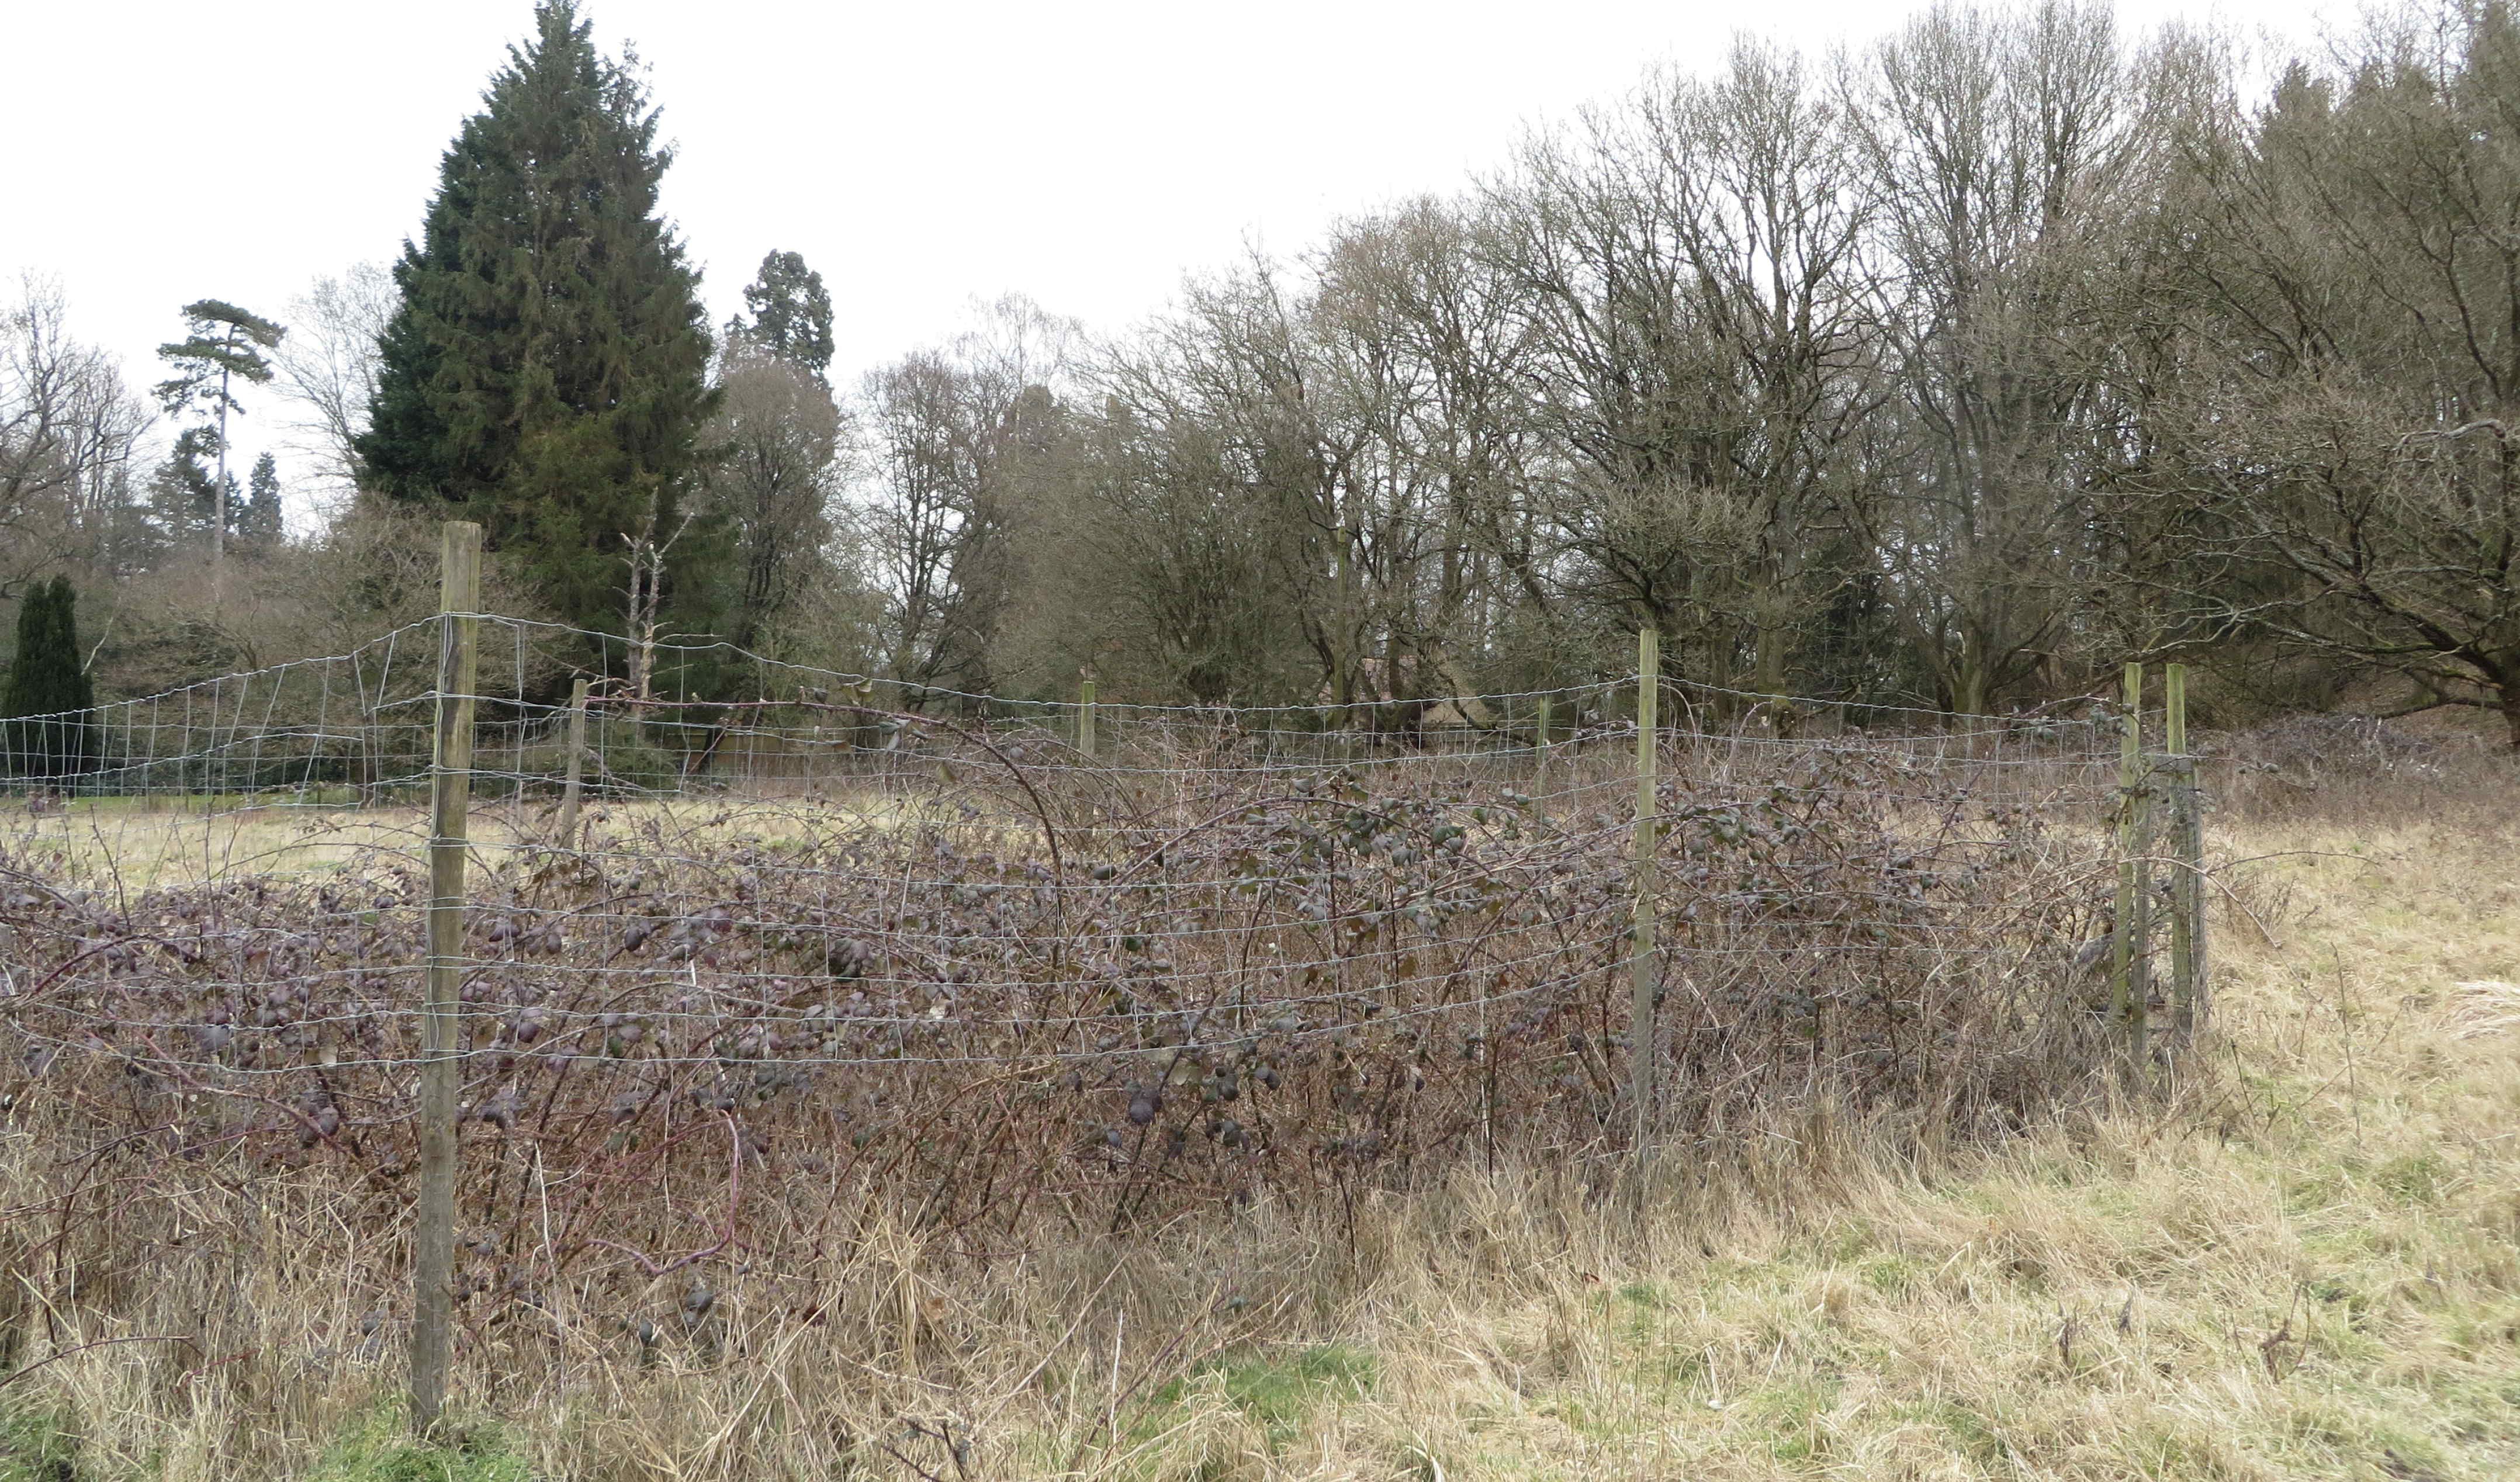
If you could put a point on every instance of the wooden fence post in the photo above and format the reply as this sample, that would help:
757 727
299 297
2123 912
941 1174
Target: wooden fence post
2187 886
2132 985
1643 1039
1540 732
568 793
450 789
1085 717
516 786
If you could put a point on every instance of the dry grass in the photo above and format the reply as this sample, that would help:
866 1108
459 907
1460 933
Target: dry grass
138 845
2300 1263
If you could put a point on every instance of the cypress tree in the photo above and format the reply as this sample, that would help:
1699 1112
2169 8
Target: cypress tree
46 681
544 372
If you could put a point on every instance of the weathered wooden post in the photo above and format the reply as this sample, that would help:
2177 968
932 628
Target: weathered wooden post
450 787
1085 717
1642 1038
569 789
517 781
2133 937
2187 888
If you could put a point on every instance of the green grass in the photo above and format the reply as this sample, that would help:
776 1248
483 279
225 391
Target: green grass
37 1446
1279 1392
34 1447
380 1450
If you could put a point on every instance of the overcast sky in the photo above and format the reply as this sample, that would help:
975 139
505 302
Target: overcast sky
919 155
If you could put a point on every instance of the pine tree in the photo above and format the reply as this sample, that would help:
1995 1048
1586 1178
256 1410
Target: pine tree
259 526
544 372
224 346
47 681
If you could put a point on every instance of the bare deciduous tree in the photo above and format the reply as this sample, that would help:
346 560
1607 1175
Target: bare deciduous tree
2353 440
2012 152
1689 268
774 477
327 365
69 435
949 437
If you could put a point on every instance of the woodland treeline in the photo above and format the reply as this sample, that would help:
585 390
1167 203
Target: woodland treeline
1952 370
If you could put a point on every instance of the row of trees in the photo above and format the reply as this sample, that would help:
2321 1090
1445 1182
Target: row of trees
74 493
1950 372
1955 371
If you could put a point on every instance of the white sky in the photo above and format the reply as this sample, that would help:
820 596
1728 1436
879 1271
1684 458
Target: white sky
921 156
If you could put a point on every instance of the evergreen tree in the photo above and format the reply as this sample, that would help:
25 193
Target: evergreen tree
259 524
544 371
47 681
224 346
791 313
182 498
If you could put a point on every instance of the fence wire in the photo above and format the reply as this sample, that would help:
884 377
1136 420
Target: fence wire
926 936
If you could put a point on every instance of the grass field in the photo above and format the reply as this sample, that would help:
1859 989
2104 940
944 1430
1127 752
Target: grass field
136 845
2302 1262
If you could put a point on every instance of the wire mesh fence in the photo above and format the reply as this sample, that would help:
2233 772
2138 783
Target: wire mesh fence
355 728
1025 972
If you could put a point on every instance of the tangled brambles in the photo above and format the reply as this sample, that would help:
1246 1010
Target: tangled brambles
1044 1005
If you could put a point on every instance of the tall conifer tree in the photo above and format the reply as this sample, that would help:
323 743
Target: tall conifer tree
791 312
260 526
546 370
225 346
47 681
